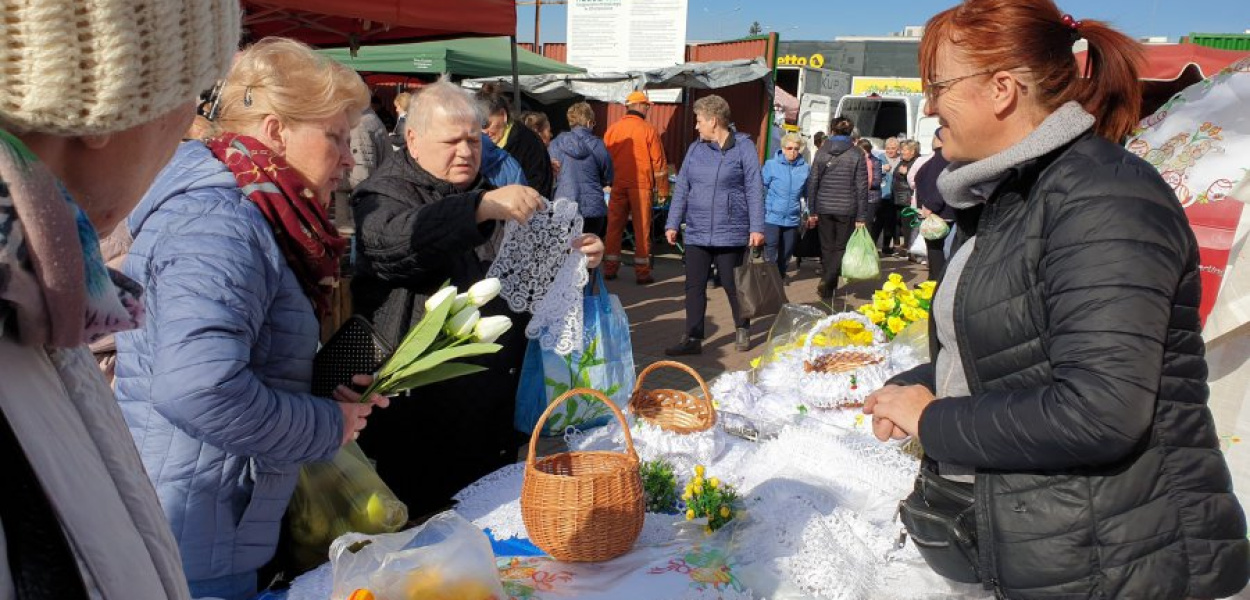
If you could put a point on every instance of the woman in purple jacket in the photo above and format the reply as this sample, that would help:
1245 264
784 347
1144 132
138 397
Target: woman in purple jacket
719 200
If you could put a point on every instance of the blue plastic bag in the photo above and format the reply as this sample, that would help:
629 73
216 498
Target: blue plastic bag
605 363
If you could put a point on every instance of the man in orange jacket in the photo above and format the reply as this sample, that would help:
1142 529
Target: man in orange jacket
640 174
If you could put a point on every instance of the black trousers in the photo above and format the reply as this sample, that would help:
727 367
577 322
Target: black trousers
699 260
936 250
885 224
595 225
835 232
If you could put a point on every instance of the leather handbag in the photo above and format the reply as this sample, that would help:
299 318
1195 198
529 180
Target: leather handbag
940 518
354 349
760 289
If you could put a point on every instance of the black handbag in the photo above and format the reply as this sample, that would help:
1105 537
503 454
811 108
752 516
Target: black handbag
355 349
940 517
761 291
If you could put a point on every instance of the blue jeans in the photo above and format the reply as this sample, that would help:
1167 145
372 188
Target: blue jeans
230 587
779 243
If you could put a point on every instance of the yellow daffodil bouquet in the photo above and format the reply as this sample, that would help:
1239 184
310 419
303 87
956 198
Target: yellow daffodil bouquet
451 329
895 306
709 498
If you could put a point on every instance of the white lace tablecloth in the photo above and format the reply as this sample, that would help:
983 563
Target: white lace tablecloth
818 523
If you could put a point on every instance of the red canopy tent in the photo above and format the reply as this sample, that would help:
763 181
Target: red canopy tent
358 22
1171 68
355 23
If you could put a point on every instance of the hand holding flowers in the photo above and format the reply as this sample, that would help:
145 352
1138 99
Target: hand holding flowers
451 329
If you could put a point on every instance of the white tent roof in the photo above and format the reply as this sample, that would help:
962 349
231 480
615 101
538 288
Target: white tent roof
614 87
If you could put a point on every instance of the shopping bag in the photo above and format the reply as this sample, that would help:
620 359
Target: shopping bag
446 558
760 289
605 364
934 227
860 260
919 248
335 497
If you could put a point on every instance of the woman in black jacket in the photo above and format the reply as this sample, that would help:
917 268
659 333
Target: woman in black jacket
1068 392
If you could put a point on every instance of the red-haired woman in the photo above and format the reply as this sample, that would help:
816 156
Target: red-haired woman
1067 400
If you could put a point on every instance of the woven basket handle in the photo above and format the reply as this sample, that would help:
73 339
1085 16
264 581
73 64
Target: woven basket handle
820 326
538 427
669 364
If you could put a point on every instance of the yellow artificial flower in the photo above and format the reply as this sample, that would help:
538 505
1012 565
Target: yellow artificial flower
922 314
724 512
890 286
911 301
876 317
881 294
909 313
895 278
866 310
896 325
929 285
690 515
850 326
755 363
883 305
698 487
687 496
714 482
863 338
699 471
924 294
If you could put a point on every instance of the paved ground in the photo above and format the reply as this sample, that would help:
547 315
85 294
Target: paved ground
657 315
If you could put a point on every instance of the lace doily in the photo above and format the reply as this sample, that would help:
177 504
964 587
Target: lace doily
651 443
540 273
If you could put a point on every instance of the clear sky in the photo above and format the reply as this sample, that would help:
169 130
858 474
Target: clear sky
825 19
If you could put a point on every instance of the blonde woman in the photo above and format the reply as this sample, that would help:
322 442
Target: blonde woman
785 188
586 168
233 244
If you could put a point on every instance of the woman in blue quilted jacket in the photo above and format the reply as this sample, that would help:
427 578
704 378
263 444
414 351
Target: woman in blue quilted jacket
718 205
785 184
238 258
585 168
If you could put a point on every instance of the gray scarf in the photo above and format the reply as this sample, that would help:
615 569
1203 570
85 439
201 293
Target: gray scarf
958 183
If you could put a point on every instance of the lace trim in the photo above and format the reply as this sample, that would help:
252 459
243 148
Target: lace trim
541 274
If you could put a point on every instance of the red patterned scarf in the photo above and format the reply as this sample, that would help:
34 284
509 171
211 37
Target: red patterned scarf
309 241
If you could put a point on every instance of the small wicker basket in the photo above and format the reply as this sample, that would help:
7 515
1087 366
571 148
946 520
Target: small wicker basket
583 506
673 410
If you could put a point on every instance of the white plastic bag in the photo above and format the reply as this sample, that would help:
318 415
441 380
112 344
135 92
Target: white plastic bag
918 248
447 558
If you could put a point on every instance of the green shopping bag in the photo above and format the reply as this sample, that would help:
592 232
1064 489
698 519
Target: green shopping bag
860 260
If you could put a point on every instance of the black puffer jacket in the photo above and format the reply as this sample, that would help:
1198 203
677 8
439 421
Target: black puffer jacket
838 183
1099 473
415 232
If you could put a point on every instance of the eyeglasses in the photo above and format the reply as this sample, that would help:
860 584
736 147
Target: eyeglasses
933 89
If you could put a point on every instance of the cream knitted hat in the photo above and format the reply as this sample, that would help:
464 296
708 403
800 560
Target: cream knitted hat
78 67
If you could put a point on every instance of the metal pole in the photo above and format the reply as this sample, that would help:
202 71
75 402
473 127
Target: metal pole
538 9
516 76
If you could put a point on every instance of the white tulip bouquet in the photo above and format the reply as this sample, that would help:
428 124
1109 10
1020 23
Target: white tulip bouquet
451 329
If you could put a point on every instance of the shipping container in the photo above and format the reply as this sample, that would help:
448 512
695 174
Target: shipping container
1222 41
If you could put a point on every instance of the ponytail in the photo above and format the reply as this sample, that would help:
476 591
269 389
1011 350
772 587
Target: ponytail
1036 35
1111 90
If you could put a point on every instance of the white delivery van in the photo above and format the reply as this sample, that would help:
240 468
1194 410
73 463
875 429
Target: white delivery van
817 91
878 117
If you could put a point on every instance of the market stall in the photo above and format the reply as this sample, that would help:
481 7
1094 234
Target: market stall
470 57
766 484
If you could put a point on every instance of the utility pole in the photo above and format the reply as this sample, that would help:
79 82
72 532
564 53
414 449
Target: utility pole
538 9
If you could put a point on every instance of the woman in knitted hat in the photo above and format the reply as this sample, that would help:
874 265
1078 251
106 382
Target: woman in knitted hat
92 105
240 260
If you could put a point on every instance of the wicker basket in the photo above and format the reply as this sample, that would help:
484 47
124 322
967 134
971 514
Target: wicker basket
583 506
673 410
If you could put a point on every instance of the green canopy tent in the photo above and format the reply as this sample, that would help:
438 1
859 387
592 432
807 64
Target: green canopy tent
477 57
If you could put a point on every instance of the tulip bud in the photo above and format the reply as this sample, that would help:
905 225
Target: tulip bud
488 329
462 300
484 291
462 323
447 294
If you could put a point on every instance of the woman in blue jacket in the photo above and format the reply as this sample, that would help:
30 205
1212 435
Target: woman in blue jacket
238 258
585 168
785 184
719 199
